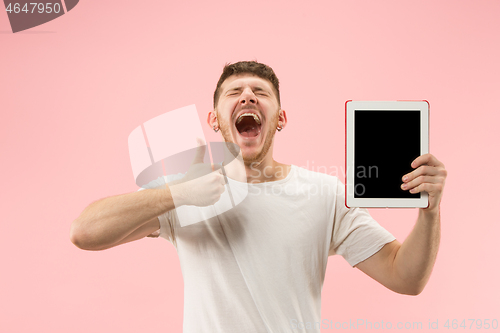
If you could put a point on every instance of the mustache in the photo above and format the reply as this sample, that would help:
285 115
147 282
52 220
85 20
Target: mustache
249 107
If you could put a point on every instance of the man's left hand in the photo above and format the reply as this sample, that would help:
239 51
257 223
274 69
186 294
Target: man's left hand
429 176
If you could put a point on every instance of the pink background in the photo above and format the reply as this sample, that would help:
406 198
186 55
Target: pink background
73 89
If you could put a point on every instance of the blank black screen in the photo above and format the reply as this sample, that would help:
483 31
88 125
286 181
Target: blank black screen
385 144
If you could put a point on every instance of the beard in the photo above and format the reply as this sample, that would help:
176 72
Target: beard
257 156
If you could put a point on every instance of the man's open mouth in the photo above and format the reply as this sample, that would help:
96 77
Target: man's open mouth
248 125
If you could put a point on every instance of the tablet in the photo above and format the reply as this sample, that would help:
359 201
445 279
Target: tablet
382 139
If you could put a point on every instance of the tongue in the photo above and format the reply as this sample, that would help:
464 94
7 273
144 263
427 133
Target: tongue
250 131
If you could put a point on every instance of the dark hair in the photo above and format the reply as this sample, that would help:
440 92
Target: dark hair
251 67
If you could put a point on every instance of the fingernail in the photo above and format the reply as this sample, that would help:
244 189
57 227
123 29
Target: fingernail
405 178
403 186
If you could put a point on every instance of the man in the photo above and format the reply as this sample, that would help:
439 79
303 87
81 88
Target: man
260 266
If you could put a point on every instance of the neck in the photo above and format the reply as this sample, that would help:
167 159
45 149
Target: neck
265 171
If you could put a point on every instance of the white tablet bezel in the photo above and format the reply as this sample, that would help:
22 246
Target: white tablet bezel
351 106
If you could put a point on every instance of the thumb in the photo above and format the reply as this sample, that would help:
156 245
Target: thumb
200 151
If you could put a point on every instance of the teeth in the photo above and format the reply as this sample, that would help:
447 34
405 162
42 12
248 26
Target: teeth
257 120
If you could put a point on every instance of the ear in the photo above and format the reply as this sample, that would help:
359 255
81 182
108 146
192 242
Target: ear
212 119
282 118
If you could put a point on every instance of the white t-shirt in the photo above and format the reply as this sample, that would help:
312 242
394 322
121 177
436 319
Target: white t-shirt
260 266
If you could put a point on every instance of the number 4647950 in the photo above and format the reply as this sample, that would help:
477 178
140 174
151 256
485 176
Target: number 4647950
473 323
40 8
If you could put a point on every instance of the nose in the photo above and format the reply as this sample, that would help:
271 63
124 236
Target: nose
248 97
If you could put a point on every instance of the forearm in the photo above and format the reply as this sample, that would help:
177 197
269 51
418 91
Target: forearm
415 258
111 219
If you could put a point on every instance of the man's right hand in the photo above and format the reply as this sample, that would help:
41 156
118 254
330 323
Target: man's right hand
202 185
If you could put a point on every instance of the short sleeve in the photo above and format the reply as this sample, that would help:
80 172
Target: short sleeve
165 219
356 236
